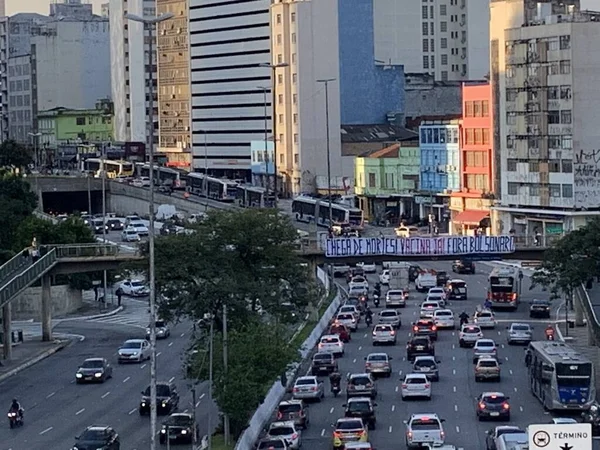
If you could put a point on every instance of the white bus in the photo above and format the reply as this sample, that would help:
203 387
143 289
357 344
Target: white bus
311 209
113 169
222 190
560 377
164 175
253 197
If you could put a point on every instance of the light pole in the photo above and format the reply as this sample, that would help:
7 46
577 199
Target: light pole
35 137
104 214
150 23
274 68
326 82
265 89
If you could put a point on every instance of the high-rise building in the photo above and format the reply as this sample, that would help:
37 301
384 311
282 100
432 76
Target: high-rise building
74 9
446 38
174 101
130 77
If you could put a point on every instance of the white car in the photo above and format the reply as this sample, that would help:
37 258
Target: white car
134 350
357 282
469 335
358 291
436 297
140 227
485 319
443 318
286 431
350 309
416 385
429 308
396 298
348 320
367 267
519 333
439 292
331 343
308 388
384 277
130 235
384 334
424 429
563 421
484 347
135 288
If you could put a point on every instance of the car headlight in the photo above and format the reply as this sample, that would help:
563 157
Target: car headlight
164 403
78 375
143 404
163 431
136 353
183 431
98 375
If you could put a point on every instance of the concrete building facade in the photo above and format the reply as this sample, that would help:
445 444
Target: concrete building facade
445 38
424 97
20 103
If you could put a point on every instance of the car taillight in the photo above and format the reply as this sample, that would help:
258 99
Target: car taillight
393 333
427 385
404 386
506 406
353 320
368 364
513 296
433 328
296 389
337 434
482 406
409 434
374 333
279 415
295 436
415 328
361 433
320 345
314 388
442 434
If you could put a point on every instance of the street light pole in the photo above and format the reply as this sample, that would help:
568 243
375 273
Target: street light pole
151 22
36 157
210 380
326 82
104 216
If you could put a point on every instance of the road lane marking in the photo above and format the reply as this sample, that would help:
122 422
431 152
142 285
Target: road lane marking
453 371
80 411
515 389
510 371
366 334
393 408
360 348
170 344
454 358
390 429
506 358
50 395
396 388
400 373
499 333
182 334
453 333
457 429
331 410
409 334
202 396
453 346
132 411
46 430
501 345
455 407
126 379
158 354
323 432
454 388
521 408
348 375
142 366
106 395
354 360
171 379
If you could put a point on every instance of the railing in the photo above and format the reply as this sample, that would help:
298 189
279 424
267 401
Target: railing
581 295
11 265
86 250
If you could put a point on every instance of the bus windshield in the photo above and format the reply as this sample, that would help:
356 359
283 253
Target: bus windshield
355 218
502 284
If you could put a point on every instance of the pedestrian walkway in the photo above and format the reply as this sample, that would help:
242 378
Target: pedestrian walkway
134 314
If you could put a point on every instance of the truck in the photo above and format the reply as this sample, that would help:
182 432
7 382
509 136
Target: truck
399 276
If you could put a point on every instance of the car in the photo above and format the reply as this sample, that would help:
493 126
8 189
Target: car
358 291
130 235
169 229
378 364
98 437
132 218
457 289
419 346
339 269
495 433
367 267
162 330
349 429
348 320
272 444
363 408
469 334
425 327
416 385
361 385
323 363
295 411
140 227
493 405
134 288
99 226
441 277
484 347
438 292
331 343
308 388
444 318
342 331
539 309
355 272
428 308
487 368
350 309
413 272
519 333
356 301
94 370
437 297
423 429
167 399
425 281
428 366
179 428
389 317
384 277
286 431
358 446
396 298
358 281
463 266
115 224
407 231
384 334
134 350
485 319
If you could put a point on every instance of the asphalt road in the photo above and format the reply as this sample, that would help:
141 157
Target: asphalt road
57 409
453 396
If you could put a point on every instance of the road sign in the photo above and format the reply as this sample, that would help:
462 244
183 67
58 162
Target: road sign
576 436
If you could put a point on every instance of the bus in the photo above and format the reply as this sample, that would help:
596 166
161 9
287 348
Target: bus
162 175
222 190
560 377
504 287
311 209
113 169
254 197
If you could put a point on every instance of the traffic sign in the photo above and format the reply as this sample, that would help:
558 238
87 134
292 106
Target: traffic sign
571 436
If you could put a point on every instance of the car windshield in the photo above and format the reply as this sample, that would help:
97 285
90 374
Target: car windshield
472 330
323 357
344 317
363 380
421 341
443 313
180 420
305 382
377 358
349 425
487 363
424 323
520 327
411 380
93 435
137 284
162 390
541 302
359 406
286 409
92 364
389 313
130 231
350 308
330 340
423 424
160 324
485 315
135 345
424 363
138 225
281 431
481 344
383 329
494 399
390 293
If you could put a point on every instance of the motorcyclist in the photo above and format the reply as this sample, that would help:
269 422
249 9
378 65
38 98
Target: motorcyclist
549 332
16 407
464 318
377 287
487 304
368 316
335 379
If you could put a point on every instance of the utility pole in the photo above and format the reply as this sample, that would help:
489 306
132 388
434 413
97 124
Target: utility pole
89 193
105 280
226 430
194 435
326 82
210 380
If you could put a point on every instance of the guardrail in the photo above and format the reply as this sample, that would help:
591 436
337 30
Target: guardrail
581 295
86 250
11 265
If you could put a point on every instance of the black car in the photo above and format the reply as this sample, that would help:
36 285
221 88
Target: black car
457 290
98 437
493 405
167 399
540 309
114 224
94 370
168 229
413 273
463 266
323 364
425 327
441 278
363 408
179 428
419 345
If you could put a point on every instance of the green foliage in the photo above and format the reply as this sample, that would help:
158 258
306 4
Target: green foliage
256 357
572 260
17 203
15 155
70 231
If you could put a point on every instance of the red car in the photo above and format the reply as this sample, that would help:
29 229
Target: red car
341 331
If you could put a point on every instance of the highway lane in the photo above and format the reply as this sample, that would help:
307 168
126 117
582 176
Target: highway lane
57 409
453 395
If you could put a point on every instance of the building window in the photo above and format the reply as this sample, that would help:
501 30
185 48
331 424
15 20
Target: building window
296 158
444 43
567 142
554 166
432 62
436 135
469 136
444 60
425 45
278 19
424 12
478 136
279 58
293 38
513 188
293 17
295 138
510 141
294 78
293 58
485 108
295 116
486 136
477 109
567 166
281 158
425 62
280 79
294 99
25 85
389 180
534 166
565 67
454 137
553 117
432 45
554 142
431 29
279 39
468 109
442 135
443 27
26 100
80 121
534 190
565 116
553 44
443 11
444 75
511 165
565 92
280 99
554 190
280 118
281 140
425 28
372 180
553 93
567 190
565 42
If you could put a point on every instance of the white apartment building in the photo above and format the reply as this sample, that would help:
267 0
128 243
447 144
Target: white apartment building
129 70
302 37
228 43
445 38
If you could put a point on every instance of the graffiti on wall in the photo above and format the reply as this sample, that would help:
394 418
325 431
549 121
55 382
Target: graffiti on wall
586 175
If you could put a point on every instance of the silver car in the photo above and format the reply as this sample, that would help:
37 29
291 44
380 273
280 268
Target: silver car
428 366
308 388
519 333
484 347
379 363
384 334
390 317
134 350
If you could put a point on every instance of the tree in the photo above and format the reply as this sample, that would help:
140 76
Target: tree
17 203
14 155
246 260
70 231
571 261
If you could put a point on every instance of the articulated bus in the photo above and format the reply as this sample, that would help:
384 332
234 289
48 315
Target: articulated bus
310 209
254 197
217 189
504 288
164 175
113 169
560 377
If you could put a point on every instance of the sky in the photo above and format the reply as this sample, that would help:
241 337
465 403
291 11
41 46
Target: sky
41 6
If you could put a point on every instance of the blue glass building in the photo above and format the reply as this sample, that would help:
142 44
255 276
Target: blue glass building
440 156
368 92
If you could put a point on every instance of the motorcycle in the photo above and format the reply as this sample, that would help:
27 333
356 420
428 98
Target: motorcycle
464 320
15 418
376 300
593 418
336 389
369 319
